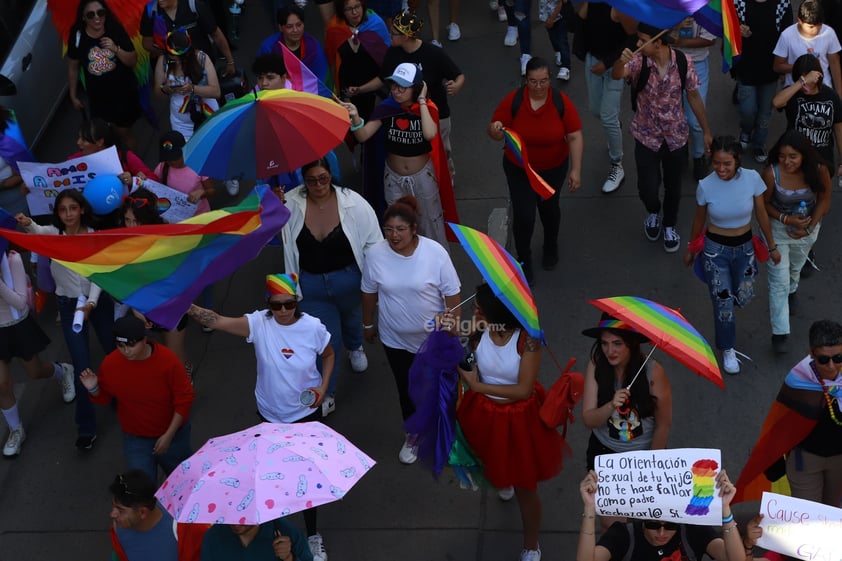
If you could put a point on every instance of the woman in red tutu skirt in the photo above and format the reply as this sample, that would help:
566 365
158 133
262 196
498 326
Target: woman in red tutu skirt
499 413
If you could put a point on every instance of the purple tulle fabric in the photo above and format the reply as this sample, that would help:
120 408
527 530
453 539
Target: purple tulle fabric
432 388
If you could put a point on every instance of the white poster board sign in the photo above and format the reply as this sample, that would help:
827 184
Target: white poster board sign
46 181
800 528
172 203
674 485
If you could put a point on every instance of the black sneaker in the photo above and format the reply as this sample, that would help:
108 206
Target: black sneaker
550 260
85 442
779 344
700 168
808 269
652 227
793 303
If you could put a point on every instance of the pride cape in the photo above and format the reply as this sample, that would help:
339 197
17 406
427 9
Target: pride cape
159 270
793 415
516 147
372 36
310 53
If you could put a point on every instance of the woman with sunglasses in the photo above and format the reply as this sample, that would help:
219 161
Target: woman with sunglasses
72 215
646 540
100 47
288 343
802 434
415 164
407 279
187 77
326 239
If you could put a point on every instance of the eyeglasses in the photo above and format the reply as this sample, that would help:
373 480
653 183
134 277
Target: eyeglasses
137 203
397 87
127 343
533 82
93 14
357 8
278 306
400 230
657 525
322 179
821 359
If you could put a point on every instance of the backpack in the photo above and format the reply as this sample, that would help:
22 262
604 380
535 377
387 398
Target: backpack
643 77
558 101
688 552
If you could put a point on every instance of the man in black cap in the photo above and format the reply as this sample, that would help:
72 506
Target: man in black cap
658 76
154 397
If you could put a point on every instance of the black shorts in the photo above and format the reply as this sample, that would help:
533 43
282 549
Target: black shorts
23 340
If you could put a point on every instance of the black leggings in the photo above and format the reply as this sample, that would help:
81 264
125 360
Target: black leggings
400 361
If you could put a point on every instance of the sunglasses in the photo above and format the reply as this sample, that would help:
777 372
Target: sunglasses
323 179
821 359
657 525
278 306
93 14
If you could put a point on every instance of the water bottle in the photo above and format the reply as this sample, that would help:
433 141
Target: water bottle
234 13
800 213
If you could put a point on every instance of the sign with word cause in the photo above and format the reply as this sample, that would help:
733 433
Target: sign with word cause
800 528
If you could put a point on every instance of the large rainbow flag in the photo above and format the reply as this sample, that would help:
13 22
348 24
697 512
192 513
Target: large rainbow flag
717 16
516 147
159 270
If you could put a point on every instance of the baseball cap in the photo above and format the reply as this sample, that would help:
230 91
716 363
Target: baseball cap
129 328
171 145
406 74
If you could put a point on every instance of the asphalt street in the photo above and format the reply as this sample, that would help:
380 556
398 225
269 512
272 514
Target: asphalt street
54 502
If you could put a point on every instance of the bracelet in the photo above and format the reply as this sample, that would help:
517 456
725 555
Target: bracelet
421 99
358 126
586 515
368 326
772 249
784 220
729 528
727 519
781 218
94 389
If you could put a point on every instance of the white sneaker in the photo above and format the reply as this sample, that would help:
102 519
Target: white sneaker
232 186
409 451
359 362
328 405
672 241
524 60
563 74
558 58
436 42
506 494
729 362
68 387
317 547
530 555
510 40
616 176
453 32
501 14
13 443
652 227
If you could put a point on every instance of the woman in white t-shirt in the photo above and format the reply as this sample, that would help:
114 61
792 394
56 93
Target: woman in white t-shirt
410 279
287 342
726 200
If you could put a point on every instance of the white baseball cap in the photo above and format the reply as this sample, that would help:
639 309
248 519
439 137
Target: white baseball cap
406 74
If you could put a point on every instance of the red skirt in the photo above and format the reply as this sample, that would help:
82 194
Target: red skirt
510 440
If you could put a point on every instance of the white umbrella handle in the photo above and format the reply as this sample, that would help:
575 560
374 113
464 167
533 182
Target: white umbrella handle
465 301
639 370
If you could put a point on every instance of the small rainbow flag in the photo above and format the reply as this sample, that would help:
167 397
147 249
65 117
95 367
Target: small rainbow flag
517 149
159 270
301 77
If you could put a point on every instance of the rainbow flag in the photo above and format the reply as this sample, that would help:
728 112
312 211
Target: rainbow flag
517 149
302 78
717 16
159 270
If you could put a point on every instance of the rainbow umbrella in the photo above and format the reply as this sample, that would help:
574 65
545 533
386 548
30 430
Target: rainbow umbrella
503 274
668 330
266 133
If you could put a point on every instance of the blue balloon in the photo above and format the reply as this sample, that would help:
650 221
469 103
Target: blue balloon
104 193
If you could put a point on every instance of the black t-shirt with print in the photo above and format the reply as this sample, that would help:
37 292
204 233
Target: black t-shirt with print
617 540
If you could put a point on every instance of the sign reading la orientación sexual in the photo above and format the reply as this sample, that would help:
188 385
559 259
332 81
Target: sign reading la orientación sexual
676 485
801 529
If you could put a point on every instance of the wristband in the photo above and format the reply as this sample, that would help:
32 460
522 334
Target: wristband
369 326
358 126
94 389
727 519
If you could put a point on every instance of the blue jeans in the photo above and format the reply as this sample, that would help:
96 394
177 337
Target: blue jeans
755 111
783 278
604 96
138 452
729 273
102 319
518 14
697 139
558 39
335 298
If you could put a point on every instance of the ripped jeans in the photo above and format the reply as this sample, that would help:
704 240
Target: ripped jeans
729 273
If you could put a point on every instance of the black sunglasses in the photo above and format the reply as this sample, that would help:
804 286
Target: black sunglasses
278 306
95 14
657 525
821 359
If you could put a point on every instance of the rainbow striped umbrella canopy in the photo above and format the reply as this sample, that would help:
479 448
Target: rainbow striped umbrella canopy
503 274
668 330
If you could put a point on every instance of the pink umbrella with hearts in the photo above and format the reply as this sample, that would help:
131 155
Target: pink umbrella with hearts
262 473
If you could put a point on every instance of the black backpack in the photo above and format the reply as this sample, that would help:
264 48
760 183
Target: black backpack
558 101
643 77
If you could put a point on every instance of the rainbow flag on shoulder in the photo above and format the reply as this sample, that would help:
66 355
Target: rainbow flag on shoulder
516 147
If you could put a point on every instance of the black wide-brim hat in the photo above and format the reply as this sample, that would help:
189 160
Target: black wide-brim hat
607 322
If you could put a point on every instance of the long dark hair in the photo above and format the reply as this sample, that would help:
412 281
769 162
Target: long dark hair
191 66
87 212
811 160
144 212
641 399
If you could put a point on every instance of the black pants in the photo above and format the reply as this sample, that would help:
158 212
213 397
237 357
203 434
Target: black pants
525 201
400 361
650 167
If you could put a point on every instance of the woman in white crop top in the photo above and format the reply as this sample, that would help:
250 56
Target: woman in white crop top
499 413
726 199
796 173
